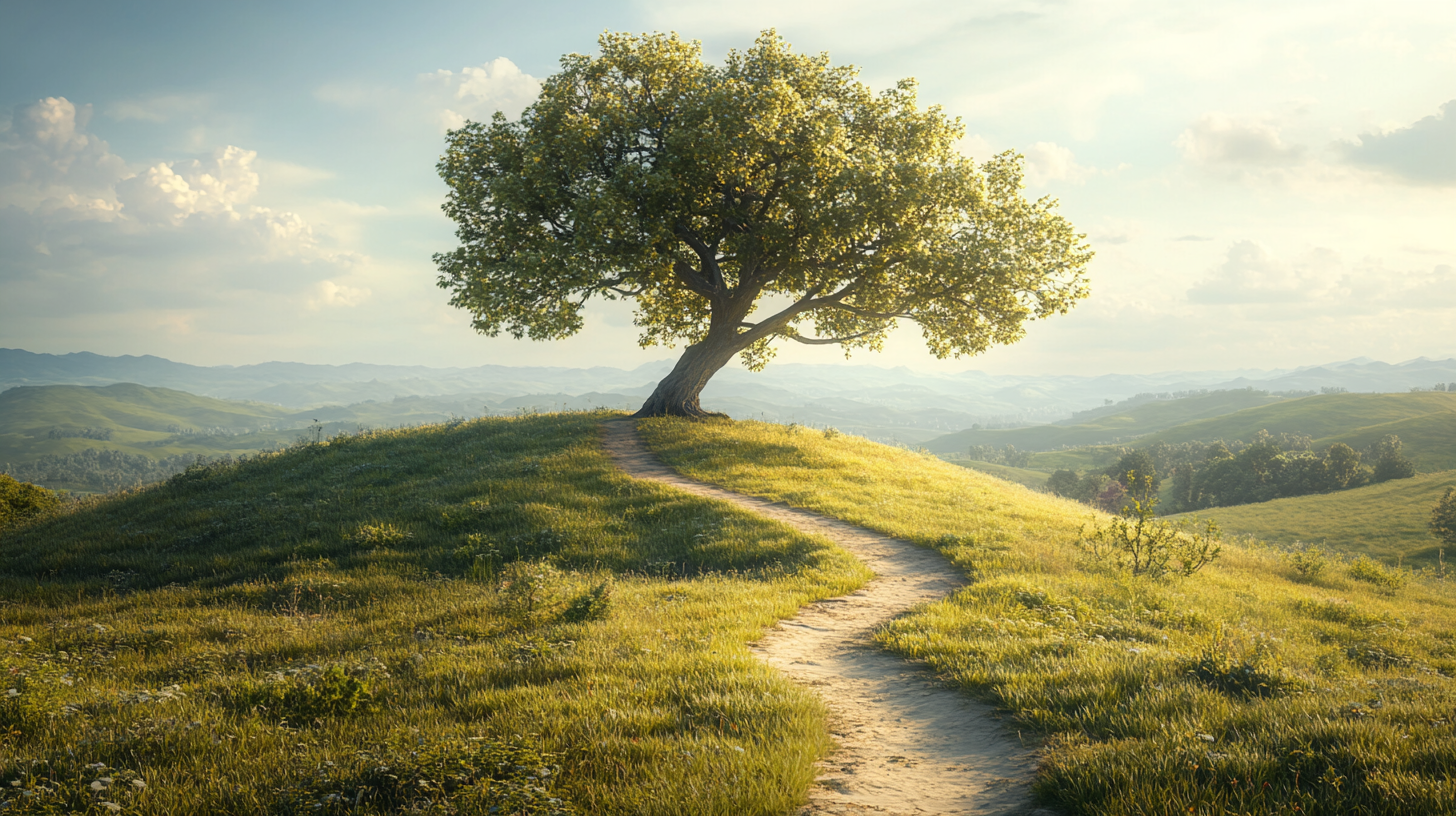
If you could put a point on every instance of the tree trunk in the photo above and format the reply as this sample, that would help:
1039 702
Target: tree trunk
677 393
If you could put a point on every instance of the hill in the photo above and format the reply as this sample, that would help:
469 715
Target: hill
1386 520
1322 417
480 617
1248 687
1122 425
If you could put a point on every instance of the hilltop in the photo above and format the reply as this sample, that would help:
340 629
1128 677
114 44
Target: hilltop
455 615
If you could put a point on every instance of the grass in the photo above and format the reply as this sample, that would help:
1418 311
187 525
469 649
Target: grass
1107 425
1031 478
1387 520
1253 687
444 619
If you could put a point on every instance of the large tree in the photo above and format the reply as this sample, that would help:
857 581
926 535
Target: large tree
772 198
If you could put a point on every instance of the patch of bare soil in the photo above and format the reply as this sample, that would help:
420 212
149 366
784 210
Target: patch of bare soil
907 744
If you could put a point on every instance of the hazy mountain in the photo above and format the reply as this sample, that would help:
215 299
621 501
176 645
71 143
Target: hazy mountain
883 403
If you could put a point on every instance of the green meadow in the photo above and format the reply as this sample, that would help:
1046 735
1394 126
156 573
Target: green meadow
1388 520
473 617
1270 682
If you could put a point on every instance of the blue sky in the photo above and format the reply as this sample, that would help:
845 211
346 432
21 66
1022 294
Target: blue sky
1265 186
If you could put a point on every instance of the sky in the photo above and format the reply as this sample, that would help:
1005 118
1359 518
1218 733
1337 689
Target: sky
1265 185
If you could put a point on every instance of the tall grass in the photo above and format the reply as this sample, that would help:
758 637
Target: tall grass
1255 686
444 619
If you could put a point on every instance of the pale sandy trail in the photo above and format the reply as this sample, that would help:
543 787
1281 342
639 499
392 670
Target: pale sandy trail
907 745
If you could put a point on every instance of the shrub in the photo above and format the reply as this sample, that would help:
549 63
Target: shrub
594 604
22 500
380 535
1134 541
303 693
1367 570
1240 671
1309 562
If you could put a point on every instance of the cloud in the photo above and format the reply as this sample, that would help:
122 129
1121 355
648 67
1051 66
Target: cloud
49 163
158 108
1217 141
1423 153
1047 161
476 92
1193 238
1320 283
329 294
162 194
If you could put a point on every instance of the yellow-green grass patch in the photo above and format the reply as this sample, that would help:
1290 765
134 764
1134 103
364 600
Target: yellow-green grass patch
458 617
1247 688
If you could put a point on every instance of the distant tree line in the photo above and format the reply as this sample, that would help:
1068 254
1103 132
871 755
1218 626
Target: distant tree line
102 471
1008 455
1220 474
103 434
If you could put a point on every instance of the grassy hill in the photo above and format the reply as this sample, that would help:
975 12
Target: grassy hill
1250 687
1132 422
143 420
1035 479
1386 520
466 618
1322 417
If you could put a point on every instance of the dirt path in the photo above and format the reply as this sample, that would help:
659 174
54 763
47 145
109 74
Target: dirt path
907 745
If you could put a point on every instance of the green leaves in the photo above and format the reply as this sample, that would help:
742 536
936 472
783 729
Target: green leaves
699 190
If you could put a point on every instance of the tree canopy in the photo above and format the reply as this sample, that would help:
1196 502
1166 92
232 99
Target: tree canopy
774 197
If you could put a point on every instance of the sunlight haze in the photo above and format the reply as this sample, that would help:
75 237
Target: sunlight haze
1264 186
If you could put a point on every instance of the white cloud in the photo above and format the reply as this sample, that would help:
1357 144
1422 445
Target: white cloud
1424 152
1216 140
329 294
1048 161
49 164
161 194
476 92
1319 282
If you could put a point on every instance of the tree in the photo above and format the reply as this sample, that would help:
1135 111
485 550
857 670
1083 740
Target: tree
772 198
1063 483
1343 462
1390 462
1134 465
1443 517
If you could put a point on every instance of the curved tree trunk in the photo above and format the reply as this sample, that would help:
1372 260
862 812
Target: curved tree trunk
677 393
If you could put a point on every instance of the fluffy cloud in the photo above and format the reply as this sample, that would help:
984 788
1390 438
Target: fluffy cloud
1216 140
477 92
49 164
1047 161
1320 282
329 293
162 194
1424 153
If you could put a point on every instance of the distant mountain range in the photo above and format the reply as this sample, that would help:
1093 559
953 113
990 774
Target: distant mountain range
883 403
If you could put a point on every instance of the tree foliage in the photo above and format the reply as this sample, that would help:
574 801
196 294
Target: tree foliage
1443 517
772 198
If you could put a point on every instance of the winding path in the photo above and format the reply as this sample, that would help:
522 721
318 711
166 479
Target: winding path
907 744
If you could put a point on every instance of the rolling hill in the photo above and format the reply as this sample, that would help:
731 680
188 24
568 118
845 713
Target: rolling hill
1123 425
1386 520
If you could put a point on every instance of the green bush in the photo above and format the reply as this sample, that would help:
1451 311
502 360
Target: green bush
1135 542
1239 671
22 500
1371 572
1309 562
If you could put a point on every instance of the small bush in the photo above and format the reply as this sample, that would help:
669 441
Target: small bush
380 535
22 500
304 693
1367 570
594 604
1240 671
1134 541
1309 562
